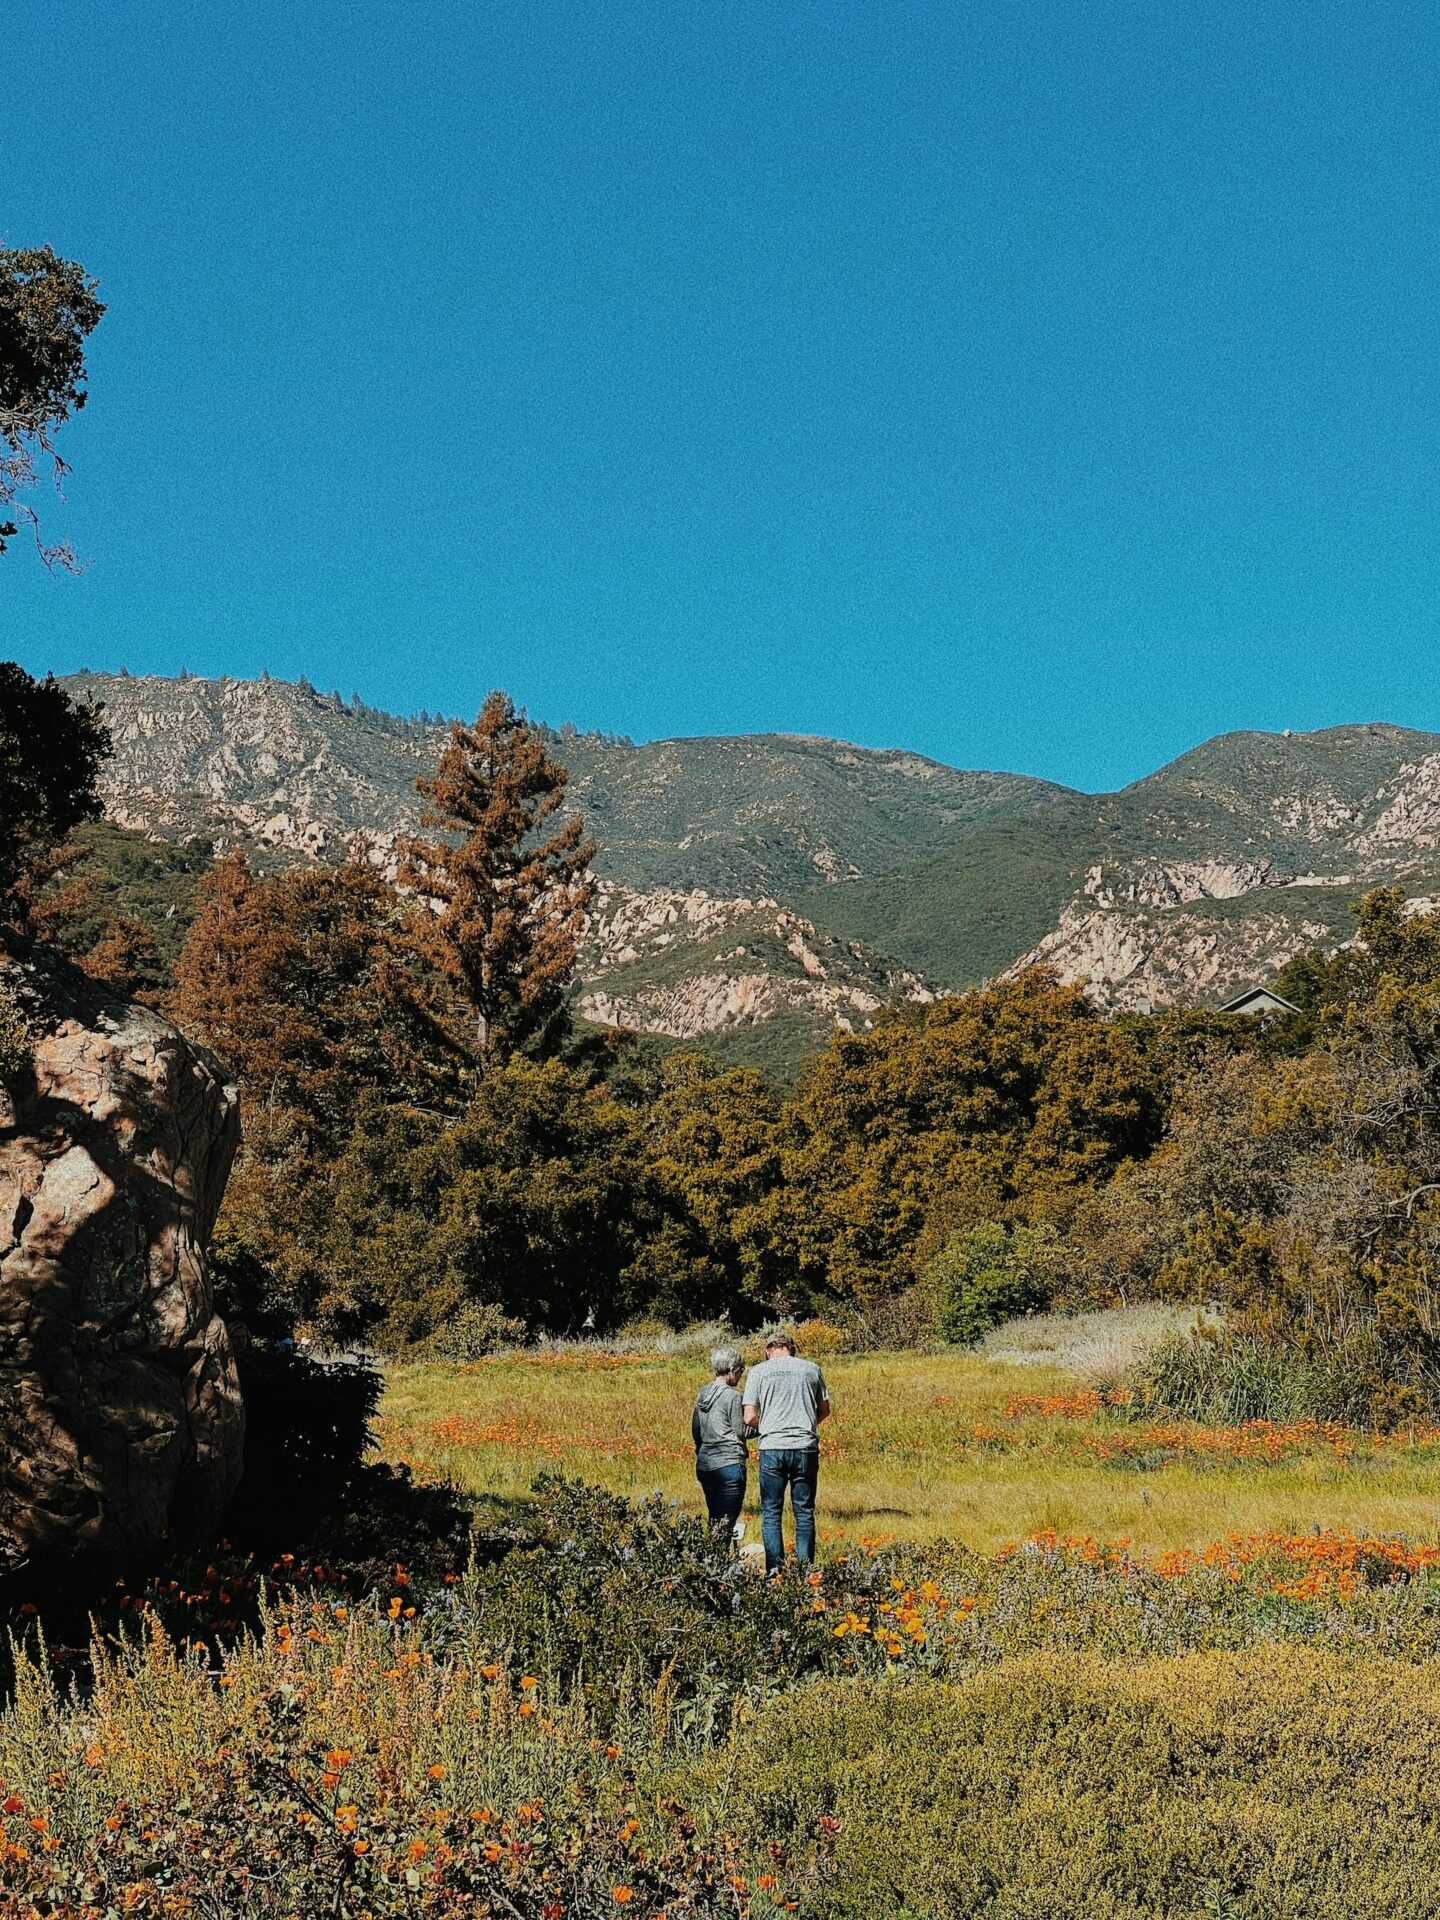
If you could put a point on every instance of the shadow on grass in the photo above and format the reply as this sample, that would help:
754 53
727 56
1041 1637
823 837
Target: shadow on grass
311 1512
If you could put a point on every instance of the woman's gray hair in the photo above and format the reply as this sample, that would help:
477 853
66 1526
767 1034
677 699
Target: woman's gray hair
726 1359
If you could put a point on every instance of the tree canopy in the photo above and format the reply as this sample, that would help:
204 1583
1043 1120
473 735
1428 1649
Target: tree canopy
48 309
51 751
510 898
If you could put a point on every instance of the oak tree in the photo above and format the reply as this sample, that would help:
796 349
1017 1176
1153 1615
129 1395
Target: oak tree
51 748
48 309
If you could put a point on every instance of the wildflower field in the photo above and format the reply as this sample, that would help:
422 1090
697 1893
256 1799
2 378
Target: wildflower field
948 1446
565 1701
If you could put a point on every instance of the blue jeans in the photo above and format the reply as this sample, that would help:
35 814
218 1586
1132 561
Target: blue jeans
799 1470
724 1491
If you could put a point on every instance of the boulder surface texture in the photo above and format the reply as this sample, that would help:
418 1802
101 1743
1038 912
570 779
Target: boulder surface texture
120 1415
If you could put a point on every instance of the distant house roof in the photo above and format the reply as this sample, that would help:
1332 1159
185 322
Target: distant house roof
1259 1000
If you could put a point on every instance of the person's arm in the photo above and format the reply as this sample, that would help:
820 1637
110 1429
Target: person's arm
752 1400
822 1408
737 1418
695 1424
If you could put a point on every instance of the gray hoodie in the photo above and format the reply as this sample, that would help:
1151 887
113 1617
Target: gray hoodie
717 1426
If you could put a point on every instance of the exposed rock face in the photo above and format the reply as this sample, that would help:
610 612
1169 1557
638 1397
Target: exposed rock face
688 965
1135 960
1181 882
120 1413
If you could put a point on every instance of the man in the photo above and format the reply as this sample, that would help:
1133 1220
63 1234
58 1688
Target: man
717 1426
786 1400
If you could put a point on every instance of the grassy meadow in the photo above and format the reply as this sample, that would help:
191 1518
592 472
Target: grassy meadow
1081 1657
1017 1439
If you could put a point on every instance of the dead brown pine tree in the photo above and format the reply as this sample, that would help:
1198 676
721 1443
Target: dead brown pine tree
510 901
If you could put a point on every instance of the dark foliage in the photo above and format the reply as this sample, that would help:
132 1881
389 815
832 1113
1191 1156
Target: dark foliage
48 309
51 749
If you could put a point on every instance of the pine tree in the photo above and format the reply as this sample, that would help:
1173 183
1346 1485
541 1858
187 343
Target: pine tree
510 902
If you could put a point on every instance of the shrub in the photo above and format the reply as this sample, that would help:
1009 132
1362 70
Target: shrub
1225 1379
590 1584
339 1768
644 1333
1256 1784
815 1338
987 1274
893 1321
307 1487
15 1049
472 1331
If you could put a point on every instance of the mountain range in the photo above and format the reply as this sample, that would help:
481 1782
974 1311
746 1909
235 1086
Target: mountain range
760 889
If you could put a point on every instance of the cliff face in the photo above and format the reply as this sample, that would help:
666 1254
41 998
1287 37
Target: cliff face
1137 961
120 1414
693 966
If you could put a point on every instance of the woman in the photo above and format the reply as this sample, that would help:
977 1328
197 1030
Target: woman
717 1426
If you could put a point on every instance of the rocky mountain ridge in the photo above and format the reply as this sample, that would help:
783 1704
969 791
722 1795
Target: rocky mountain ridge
777 884
689 966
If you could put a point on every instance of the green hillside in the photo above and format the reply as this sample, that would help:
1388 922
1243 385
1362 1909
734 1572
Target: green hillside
121 873
773 813
965 912
998 884
1242 777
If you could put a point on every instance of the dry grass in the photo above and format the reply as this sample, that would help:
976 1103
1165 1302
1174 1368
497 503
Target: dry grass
902 1456
1097 1348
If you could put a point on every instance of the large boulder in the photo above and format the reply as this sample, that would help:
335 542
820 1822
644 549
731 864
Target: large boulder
120 1416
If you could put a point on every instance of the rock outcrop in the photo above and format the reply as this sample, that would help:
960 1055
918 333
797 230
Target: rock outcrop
1138 961
690 965
120 1414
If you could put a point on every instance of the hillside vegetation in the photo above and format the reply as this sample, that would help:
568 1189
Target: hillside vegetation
1192 883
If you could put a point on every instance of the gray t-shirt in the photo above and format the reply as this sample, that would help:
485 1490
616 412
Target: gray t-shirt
717 1426
788 1392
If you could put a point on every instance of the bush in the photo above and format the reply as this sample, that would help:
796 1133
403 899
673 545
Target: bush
306 1421
1253 1785
987 1274
339 1768
816 1338
591 1584
1225 1379
15 1050
472 1331
893 1321
813 1338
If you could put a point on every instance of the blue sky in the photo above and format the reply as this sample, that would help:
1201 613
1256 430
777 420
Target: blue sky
1040 386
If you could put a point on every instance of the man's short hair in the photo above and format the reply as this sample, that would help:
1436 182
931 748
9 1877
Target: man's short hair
785 1340
726 1359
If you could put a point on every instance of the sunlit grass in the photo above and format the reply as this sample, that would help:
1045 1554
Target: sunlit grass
901 1456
